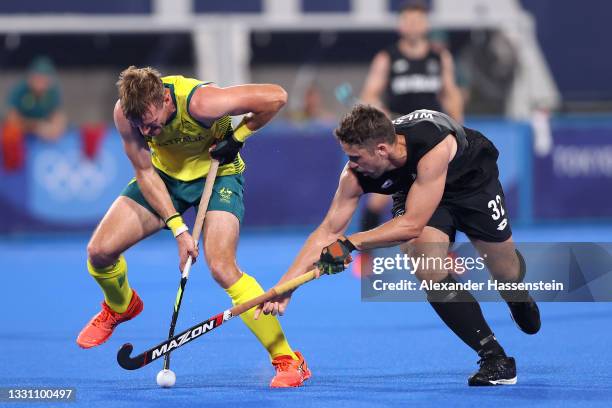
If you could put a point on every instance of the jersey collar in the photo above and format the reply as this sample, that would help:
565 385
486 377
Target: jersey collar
171 118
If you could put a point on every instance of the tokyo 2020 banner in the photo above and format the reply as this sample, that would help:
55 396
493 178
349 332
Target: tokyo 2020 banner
574 179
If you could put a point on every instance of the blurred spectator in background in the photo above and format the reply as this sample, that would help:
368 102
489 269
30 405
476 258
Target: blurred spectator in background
414 73
34 108
312 107
35 102
439 40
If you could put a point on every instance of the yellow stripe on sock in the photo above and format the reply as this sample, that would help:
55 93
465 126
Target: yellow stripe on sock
114 283
267 328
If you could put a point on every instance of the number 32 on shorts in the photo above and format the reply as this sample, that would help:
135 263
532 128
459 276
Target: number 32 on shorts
498 212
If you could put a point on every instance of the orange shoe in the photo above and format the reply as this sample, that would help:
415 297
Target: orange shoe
101 326
290 372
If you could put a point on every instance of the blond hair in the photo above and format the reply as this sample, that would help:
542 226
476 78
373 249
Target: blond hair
139 88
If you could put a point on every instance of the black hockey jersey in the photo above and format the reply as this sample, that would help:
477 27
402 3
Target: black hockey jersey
423 130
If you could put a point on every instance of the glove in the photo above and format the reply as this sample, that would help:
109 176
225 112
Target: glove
335 257
226 149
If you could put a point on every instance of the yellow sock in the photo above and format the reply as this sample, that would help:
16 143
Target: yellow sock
267 329
114 283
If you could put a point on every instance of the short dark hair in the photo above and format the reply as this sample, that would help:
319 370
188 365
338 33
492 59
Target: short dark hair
414 5
365 126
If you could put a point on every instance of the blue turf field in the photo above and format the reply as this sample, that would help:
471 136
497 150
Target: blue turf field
361 354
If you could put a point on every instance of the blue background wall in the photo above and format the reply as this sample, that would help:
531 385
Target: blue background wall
575 36
292 174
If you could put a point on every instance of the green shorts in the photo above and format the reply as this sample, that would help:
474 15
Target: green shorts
227 194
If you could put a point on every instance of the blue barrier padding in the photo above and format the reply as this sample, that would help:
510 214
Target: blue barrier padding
318 6
292 174
394 5
581 121
573 179
234 6
76 6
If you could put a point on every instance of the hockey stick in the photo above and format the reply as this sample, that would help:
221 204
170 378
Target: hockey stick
197 230
165 347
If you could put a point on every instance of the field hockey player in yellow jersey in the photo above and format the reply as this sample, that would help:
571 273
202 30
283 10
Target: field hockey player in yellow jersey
171 127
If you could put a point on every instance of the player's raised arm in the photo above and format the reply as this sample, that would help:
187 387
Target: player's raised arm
263 101
259 103
334 224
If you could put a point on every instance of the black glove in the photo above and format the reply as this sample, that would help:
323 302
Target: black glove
226 149
335 257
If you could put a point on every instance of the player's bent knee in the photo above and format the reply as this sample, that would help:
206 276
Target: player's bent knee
219 265
224 270
99 256
407 248
434 275
509 268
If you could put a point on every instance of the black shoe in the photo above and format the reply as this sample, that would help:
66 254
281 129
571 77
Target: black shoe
494 370
526 315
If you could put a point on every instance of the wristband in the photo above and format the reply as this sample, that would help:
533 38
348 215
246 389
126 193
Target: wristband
176 224
349 245
242 132
180 230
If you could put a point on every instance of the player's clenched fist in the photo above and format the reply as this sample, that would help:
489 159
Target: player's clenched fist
226 149
335 257
187 247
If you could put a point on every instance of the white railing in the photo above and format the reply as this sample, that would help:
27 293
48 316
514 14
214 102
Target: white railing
222 40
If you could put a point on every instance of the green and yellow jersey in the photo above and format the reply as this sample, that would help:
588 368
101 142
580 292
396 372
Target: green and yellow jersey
181 149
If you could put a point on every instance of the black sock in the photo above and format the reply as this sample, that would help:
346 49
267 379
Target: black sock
462 314
369 219
517 295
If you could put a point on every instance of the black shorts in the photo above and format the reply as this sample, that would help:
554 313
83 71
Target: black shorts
480 213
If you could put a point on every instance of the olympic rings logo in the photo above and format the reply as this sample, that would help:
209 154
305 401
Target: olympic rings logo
67 175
